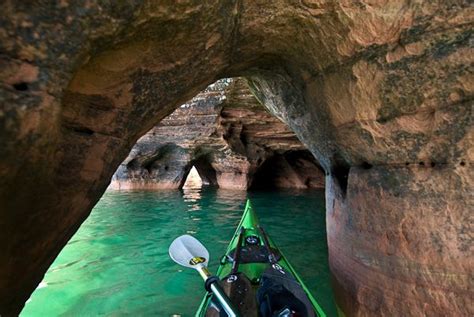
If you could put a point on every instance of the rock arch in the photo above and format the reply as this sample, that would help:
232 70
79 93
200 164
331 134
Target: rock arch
206 171
373 90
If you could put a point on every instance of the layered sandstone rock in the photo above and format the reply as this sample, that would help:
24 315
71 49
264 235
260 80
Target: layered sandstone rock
379 91
228 136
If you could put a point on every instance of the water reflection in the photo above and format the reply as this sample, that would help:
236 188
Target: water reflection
191 197
230 195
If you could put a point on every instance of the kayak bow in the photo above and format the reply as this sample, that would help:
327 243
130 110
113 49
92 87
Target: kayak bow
258 278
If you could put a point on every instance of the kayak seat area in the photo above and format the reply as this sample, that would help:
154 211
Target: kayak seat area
280 295
242 294
254 254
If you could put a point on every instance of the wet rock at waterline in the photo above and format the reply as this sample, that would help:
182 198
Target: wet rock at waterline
230 138
380 92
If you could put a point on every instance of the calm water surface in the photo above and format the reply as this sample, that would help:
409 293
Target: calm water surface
117 263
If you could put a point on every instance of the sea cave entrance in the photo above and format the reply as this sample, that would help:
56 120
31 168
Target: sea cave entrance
193 180
223 140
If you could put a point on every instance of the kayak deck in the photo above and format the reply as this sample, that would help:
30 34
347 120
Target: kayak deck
252 280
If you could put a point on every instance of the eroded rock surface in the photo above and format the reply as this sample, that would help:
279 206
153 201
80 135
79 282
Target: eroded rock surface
228 136
379 91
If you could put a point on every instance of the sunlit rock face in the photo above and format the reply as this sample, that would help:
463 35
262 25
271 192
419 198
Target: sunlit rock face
379 91
229 137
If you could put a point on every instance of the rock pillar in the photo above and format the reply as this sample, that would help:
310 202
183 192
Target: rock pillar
399 241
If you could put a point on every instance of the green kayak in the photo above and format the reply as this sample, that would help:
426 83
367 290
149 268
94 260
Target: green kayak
258 278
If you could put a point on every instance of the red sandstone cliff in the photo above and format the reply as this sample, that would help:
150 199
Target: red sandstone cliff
229 137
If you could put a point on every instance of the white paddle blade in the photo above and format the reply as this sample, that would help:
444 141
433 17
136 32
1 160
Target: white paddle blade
188 251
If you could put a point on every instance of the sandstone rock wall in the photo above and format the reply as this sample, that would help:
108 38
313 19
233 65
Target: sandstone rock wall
379 91
228 136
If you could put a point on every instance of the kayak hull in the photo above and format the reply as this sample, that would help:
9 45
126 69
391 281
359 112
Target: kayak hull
252 266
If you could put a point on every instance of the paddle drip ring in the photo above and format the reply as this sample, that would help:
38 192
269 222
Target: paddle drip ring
210 280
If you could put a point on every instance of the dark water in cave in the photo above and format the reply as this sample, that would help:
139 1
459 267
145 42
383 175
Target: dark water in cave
118 264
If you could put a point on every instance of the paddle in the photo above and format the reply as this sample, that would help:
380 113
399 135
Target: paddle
189 252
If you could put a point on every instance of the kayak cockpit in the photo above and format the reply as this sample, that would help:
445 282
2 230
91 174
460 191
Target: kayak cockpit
257 278
280 295
277 295
241 291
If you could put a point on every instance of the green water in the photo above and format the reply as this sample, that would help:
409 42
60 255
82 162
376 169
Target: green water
117 263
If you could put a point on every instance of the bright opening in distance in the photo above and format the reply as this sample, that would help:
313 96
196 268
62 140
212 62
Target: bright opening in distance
193 180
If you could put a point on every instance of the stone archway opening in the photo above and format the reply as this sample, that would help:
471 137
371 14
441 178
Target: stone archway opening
206 172
381 99
200 174
193 180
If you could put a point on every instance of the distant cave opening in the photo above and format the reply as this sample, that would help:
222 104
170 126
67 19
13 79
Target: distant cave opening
193 180
293 169
200 174
206 171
